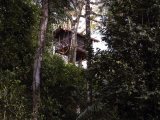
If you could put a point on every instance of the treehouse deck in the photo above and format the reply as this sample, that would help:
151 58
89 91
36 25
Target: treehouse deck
63 41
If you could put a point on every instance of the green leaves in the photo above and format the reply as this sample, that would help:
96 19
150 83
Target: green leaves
130 65
13 101
62 88
17 23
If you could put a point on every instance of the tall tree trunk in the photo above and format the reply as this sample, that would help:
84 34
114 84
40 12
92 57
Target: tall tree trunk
38 59
89 49
74 28
73 45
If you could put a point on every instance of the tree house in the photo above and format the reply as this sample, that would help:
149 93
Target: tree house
63 41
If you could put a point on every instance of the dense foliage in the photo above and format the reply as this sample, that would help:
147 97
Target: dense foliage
62 89
17 36
126 76
14 102
128 72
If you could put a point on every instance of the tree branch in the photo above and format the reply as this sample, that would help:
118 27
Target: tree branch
95 3
92 19
96 14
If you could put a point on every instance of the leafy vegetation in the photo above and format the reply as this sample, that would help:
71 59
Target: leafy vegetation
124 78
128 72
61 95
13 99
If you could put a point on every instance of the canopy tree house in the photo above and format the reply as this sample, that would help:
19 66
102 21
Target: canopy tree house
63 41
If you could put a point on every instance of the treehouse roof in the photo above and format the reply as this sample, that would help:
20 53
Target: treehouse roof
62 31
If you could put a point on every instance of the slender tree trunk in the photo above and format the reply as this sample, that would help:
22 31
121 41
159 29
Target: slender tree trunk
89 49
38 59
74 28
73 45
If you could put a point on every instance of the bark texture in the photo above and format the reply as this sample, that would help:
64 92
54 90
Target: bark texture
74 28
89 48
38 59
73 45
